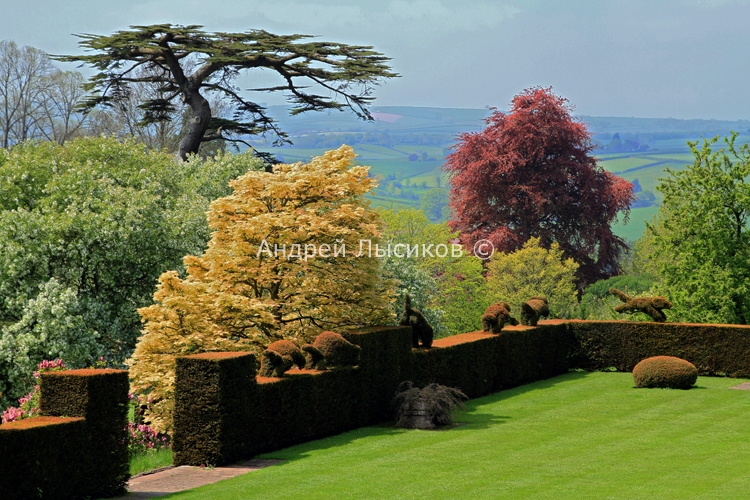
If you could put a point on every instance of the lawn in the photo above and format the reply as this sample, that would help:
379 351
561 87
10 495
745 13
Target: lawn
580 435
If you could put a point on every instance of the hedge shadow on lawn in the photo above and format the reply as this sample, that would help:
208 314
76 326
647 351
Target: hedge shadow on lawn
301 451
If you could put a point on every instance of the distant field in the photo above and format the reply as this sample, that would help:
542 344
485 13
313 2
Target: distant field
636 226
392 203
646 167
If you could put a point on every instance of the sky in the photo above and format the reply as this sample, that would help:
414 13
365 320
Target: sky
642 58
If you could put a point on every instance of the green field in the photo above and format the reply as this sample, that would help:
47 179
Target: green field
391 165
577 436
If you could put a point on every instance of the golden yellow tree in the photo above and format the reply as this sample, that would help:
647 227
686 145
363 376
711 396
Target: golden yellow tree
291 253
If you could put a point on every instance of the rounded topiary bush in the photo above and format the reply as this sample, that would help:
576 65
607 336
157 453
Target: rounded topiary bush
665 371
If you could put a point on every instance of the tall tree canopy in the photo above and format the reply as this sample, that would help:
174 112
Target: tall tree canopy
530 173
700 237
185 63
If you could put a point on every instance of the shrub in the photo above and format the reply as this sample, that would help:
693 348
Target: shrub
665 371
141 436
53 325
434 403
532 271
29 404
104 219
288 348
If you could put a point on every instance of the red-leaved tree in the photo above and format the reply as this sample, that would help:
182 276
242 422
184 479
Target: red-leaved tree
530 173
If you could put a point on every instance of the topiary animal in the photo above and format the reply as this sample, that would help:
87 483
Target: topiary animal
421 331
281 355
665 371
495 317
336 350
532 310
314 359
273 364
652 306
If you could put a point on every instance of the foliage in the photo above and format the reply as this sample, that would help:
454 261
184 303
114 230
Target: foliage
438 401
420 286
185 63
598 303
534 271
104 219
702 239
29 404
665 372
142 437
257 281
52 326
530 173
464 293
433 202
449 291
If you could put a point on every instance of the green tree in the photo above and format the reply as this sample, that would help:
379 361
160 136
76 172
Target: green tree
53 325
701 239
433 202
104 219
186 64
457 288
531 271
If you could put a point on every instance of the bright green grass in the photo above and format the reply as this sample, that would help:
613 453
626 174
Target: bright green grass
150 460
577 436
619 164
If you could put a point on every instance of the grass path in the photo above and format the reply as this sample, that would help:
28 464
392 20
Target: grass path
580 435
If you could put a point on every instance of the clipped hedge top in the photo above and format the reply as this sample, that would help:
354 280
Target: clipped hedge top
621 321
372 329
462 338
84 372
219 355
269 380
30 423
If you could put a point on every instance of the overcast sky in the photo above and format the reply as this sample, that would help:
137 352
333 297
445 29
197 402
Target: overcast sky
643 58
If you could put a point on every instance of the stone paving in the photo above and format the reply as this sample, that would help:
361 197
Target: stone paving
185 477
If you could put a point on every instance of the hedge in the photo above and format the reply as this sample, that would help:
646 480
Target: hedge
713 349
224 412
78 447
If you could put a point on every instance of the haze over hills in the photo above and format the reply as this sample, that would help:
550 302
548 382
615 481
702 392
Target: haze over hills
400 120
406 148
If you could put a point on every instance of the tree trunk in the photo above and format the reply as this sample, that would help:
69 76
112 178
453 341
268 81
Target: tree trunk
197 125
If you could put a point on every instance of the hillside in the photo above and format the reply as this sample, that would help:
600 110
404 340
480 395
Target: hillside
406 148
